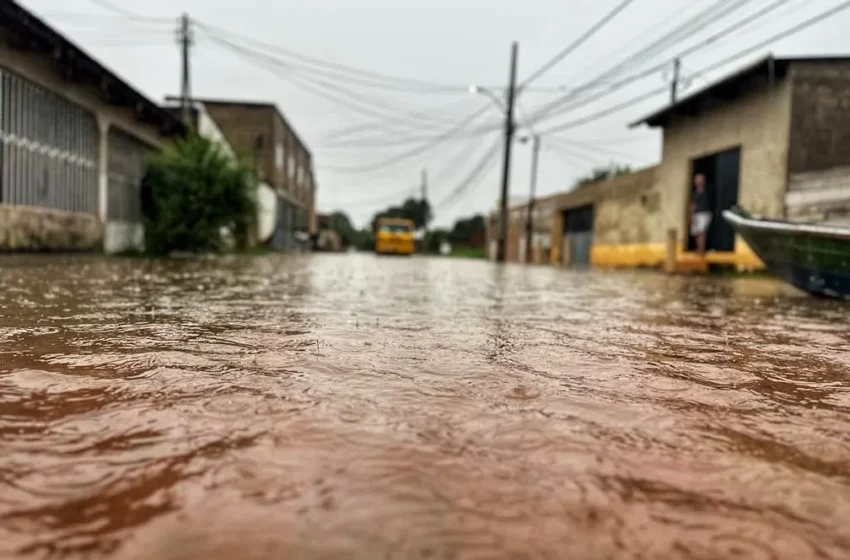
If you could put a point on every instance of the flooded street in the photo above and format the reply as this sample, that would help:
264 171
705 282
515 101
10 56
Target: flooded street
331 406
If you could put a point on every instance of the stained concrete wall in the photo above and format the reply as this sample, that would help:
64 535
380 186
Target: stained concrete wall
43 71
26 228
819 156
820 116
759 123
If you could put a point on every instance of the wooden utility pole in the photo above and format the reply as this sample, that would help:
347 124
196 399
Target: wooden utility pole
424 187
674 85
185 34
529 226
501 249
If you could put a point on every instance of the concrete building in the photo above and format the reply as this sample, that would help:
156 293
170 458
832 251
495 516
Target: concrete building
261 132
73 140
773 138
205 125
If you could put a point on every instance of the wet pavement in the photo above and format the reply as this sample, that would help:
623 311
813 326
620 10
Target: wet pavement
332 406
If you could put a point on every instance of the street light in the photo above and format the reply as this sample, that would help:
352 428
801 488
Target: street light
508 108
478 90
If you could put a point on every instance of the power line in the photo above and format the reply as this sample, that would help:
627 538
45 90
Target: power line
417 150
471 177
425 147
646 52
332 92
385 198
648 95
365 76
577 43
648 72
105 4
352 130
594 150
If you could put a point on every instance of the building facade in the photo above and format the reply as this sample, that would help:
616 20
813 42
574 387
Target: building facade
773 138
260 132
73 142
266 198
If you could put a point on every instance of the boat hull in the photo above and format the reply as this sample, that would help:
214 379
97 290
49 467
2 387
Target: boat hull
813 258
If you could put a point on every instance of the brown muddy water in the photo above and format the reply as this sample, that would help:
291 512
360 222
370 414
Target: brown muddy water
347 406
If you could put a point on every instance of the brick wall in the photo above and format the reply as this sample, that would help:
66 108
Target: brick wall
241 125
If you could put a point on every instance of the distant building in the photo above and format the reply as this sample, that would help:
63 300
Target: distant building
773 138
205 125
73 141
327 239
260 132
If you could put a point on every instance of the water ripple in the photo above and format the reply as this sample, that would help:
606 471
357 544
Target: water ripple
347 406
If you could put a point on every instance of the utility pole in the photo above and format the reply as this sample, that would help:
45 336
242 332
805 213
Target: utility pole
674 86
424 186
501 249
185 35
529 226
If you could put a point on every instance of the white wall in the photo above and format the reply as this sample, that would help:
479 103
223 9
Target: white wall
266 212
208 128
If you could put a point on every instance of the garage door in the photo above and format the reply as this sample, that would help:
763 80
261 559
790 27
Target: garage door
578 234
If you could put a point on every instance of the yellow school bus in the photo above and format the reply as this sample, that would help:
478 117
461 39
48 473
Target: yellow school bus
395 236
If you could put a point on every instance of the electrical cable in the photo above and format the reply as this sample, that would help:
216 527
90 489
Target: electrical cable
594 150
550 108
470 179
105 4
331 92
329 137
364 76
781 35
422 148
572 47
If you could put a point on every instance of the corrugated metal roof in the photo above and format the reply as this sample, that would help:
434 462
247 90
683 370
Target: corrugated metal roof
29 29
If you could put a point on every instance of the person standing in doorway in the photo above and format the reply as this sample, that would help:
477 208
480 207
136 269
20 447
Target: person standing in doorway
701 214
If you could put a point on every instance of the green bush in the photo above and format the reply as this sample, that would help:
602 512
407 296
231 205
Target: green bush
190 193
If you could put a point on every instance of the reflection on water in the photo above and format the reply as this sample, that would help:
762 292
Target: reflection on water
329 406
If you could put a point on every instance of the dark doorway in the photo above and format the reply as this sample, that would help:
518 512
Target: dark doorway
722 174
578 233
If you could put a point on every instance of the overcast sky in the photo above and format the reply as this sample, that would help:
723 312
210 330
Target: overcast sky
455 42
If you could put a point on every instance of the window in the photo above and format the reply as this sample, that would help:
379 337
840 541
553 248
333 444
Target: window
394 228
278 157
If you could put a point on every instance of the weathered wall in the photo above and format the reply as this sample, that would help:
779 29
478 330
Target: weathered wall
819 196
208 128
626 222
42 70
626 215
820 117
26 228
758 122
242 125
283 160
819 154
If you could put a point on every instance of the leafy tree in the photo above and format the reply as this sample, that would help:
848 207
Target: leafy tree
417 210
341 224
365 240
190 193
602 174
466 230
434 239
